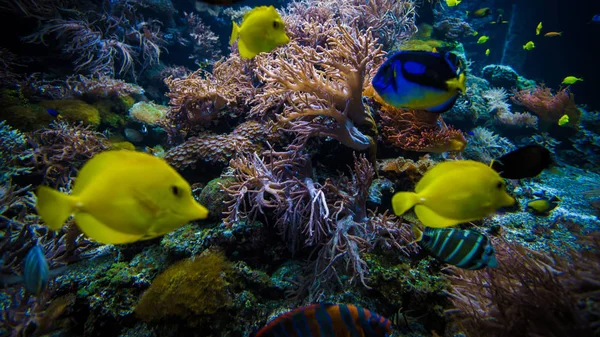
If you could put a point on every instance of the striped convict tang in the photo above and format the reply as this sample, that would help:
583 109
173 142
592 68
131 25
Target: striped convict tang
327 320
467 249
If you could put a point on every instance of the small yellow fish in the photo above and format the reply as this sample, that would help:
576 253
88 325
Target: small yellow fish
482 12
571 80
563 120
529 45
122 197
454 192
543 206
434 50
538 29
452 3
475 33
483 39
487 52
553 34
262 30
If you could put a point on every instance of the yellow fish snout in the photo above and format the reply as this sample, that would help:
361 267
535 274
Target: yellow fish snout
197 211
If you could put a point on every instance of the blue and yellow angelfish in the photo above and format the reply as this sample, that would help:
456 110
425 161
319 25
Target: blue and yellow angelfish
420 80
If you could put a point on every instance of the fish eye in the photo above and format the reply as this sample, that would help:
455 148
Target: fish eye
176 191
275 24
500 185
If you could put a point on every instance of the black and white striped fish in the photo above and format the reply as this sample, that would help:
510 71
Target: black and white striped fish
467 249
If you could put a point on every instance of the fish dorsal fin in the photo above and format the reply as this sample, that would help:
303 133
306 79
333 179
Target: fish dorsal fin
256 10
103 161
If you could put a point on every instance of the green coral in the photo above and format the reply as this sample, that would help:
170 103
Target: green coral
73 110
398 282
213 198
198 286
106 108
26 117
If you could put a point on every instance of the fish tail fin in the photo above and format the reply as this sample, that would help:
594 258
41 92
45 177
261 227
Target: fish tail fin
403 201
235 32
417 232
458 83
54 207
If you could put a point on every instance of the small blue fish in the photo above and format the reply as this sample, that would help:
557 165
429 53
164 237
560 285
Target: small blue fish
467 249
36 272
470 133
52 112
420 80
595 19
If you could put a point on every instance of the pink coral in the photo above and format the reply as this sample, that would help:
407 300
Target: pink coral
550 107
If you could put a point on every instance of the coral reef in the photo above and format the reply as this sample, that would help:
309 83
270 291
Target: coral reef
549 106
193 287
530 293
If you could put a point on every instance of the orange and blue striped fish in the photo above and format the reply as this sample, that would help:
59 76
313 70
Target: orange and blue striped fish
327 320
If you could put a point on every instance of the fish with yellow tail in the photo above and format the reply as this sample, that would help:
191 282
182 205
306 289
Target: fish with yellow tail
454 192
420 80
467 249
529 45
452 3
538 29
483 39
571 80
487 52
543 206
262 30
564 120
122 197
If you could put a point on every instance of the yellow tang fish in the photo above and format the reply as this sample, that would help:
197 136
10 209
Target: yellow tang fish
122 197
454 192
538 29
563 120
529 45
487 52
571 80
262 30
452 3
483 39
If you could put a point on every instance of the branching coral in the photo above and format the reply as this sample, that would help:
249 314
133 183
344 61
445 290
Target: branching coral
499 107
205 41
199 98
548 106
484 145
322 87
392 21
530 294
421 131
59 151
12 146
37 86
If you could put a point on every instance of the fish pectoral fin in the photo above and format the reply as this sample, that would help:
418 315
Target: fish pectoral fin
100 232
244 51
431 219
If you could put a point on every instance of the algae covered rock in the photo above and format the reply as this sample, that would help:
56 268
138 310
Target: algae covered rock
198 286
73 110
213 198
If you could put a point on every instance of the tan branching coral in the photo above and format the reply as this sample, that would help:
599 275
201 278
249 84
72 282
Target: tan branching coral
199 97
322 87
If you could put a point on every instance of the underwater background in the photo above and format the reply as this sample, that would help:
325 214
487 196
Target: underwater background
297 155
